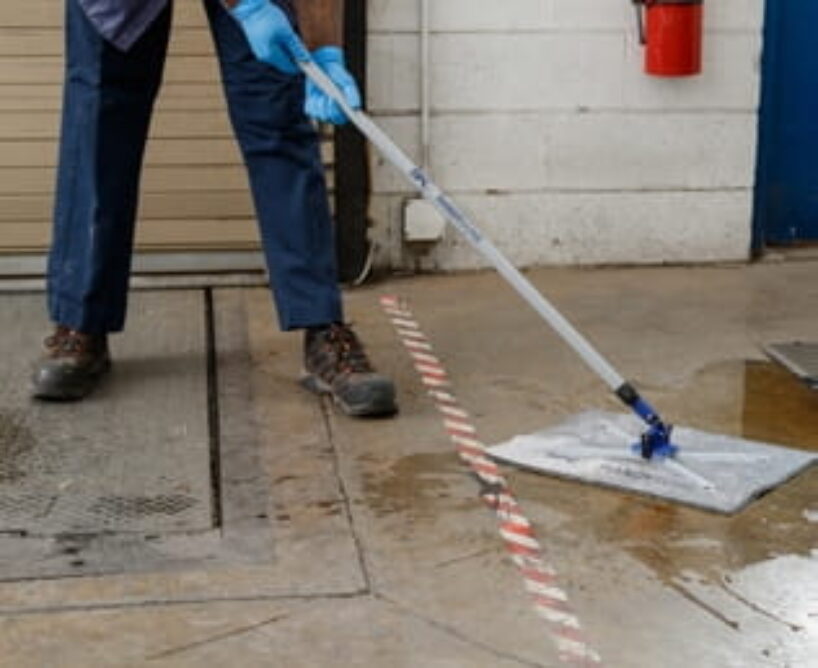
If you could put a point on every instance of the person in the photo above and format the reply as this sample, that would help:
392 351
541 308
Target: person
115 55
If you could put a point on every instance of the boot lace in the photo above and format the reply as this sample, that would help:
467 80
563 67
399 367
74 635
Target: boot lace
348 350
67 341
55 341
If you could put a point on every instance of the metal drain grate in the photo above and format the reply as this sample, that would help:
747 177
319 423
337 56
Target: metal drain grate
117 507
800 358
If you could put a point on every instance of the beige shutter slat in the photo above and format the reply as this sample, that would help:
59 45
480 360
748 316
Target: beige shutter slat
194 188
39 13
160 235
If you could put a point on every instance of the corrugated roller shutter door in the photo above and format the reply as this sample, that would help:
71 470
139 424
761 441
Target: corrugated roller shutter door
194 188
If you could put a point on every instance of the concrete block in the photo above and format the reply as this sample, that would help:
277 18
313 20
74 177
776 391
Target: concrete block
405 131
735 15
498 151
513 152
526 71
392 16
386 231
650 151
545 15
581 15
496 17
394 73
607 228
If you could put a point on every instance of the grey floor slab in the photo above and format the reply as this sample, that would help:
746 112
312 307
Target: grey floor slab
275 443
355 633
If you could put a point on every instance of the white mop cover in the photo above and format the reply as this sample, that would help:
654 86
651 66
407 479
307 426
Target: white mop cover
712 471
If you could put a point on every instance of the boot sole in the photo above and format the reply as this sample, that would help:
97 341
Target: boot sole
64 392
384 407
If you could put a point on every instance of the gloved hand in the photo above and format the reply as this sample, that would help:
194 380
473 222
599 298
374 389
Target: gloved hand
320 106
270 34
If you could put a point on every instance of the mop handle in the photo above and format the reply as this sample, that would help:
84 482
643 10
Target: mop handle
452 213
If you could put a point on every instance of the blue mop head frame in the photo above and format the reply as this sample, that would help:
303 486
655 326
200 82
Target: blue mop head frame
655 441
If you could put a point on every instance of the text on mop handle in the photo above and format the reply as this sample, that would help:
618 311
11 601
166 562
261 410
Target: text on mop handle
455 216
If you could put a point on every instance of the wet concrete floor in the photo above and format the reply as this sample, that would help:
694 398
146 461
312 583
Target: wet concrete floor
393 560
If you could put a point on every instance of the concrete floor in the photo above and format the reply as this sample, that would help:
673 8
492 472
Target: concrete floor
385 556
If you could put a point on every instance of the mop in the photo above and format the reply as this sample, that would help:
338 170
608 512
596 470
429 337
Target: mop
638 452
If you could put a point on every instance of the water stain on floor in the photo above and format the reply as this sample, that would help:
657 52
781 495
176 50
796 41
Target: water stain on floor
418 485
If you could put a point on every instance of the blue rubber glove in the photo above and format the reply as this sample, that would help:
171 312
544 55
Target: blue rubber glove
270 34
320 106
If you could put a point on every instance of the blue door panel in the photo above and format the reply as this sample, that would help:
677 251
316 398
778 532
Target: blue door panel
787 187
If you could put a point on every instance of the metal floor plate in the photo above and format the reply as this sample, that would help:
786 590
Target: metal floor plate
800 358
714 472
123 481
134 456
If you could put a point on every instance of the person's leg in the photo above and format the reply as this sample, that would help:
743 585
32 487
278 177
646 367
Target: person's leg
107 103
281 150
108 99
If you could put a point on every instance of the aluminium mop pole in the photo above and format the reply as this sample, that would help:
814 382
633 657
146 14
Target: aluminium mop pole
656 440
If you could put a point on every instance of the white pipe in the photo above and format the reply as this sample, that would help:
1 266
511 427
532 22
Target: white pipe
425 85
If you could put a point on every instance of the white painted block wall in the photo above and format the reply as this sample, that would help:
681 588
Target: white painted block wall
545 127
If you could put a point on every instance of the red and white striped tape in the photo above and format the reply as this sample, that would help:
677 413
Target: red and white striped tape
550 600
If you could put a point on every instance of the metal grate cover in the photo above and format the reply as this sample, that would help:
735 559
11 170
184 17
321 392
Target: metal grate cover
135 456
800 358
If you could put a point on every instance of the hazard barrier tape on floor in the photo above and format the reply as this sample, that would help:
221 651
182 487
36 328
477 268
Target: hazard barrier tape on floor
541 582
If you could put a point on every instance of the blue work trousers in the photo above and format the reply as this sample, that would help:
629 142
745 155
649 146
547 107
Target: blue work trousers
108 101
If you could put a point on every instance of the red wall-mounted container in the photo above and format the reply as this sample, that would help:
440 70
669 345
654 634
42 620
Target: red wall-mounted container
673 36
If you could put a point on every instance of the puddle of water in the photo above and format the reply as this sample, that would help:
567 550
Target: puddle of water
685 548
778 407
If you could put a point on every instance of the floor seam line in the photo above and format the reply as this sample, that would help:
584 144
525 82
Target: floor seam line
360 549
213 410
139 605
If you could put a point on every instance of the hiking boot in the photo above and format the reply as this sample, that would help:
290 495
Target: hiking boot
335 364
71 366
